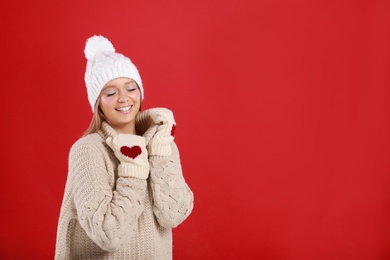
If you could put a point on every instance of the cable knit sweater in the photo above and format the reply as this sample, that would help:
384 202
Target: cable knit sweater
106 216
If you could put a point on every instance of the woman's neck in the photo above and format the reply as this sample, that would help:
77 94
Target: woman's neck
128 128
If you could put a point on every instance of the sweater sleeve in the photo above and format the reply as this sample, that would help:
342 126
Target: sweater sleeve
172 198
107 215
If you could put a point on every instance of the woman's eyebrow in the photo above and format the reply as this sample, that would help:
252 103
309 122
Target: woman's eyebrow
130 81
108 86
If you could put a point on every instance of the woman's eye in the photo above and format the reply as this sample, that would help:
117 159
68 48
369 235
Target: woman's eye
110 93
131 89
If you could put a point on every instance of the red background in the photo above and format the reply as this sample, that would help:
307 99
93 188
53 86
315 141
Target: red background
282 109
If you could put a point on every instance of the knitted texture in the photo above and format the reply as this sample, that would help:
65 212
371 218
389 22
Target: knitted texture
173 199
160 143
106 216
131 151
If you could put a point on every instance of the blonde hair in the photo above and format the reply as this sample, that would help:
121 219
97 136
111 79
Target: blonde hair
96 121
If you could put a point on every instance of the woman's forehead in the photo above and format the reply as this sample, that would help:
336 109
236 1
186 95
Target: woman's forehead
118 81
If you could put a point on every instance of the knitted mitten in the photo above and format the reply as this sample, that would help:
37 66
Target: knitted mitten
145 125
131 151
160 125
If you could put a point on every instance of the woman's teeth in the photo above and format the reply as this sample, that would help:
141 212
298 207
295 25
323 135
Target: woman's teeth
124 108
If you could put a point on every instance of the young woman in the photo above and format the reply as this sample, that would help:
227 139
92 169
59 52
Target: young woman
125 190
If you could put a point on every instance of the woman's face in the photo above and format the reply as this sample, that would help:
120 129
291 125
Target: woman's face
120 101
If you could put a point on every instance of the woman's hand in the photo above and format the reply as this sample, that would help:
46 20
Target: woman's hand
161 129
131 151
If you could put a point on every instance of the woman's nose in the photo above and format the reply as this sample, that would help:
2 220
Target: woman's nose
122 96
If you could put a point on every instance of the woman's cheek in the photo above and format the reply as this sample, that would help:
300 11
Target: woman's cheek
136 95
104 103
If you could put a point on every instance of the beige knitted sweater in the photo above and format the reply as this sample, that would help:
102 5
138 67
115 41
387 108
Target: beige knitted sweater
106 216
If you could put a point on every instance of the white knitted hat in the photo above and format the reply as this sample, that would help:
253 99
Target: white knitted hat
103 65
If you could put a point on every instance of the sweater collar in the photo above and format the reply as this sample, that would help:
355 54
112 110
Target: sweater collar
106 130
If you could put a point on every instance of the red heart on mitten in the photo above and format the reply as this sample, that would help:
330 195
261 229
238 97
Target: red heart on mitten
173 130
131 152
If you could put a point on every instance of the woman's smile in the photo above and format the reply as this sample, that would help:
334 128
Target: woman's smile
124 110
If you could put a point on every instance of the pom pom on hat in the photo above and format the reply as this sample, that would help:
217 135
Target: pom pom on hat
97 45
104 65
